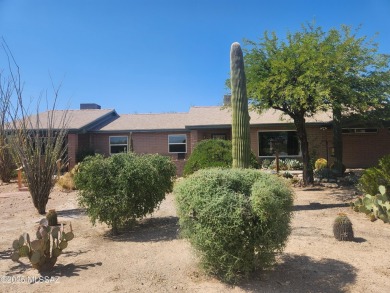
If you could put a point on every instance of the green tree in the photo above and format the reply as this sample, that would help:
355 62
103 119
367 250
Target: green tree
358 79
288 76
311 71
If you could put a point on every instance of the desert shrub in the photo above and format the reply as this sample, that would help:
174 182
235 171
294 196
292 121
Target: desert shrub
236 219
66 181
265 164
282 164
320 163
210 153
373 177
124 187
293 164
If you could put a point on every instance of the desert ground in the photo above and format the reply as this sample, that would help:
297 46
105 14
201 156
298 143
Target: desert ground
152 257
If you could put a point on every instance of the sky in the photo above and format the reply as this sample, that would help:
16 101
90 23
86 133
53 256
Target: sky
154 56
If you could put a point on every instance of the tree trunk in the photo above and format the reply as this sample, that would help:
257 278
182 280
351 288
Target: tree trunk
299 122
337 140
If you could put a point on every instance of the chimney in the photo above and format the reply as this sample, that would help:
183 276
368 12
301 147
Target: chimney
227 100
89 106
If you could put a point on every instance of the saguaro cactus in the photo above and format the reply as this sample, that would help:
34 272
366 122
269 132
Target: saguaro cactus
240 118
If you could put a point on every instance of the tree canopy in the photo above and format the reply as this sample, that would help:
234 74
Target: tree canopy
312 70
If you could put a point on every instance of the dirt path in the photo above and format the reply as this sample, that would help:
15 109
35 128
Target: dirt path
152 258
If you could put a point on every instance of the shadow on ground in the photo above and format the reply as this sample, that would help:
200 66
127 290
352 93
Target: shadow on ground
69 270
149 230
299 273
319 206
72 213
6 254
58 270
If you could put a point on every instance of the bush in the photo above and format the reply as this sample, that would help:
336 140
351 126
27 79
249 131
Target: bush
373 177
293 164
265 164
119 189
237 219
320 163
66 181
210 153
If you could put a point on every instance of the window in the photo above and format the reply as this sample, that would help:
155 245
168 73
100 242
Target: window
285 141
118 144
218 136
359 130
177 143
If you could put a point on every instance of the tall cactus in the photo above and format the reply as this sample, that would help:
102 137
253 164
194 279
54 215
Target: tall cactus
241 149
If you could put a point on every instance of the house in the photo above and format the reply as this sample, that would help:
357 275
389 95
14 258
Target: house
176 134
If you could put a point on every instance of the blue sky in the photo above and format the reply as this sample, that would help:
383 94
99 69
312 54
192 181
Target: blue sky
156 55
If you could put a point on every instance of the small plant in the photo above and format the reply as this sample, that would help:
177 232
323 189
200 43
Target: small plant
52 218
342 228
320 163
44 251
374 206
287 175
265 164
293 164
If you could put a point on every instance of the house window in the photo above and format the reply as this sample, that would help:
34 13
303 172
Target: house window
177 143
118 144
285 141
359 130
218 136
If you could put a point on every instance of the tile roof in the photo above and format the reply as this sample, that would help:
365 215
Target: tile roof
211 116
203 116
73 119
148 122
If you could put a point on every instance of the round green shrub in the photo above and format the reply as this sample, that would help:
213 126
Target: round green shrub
236 219
119 189
210 153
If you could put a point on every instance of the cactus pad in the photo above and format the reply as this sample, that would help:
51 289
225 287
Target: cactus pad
15 256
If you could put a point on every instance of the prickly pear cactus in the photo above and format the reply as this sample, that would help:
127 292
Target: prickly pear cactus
52 218
241 149
43 251
342 228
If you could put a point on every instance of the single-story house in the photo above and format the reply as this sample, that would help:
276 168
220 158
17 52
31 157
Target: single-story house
176 134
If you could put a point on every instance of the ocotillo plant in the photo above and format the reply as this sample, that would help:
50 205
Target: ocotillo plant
240 118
